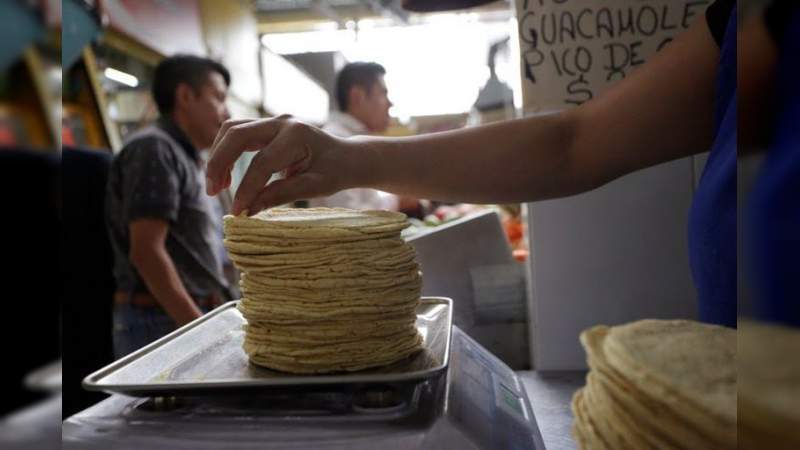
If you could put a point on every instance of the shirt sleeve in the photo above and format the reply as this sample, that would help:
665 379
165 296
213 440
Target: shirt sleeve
387 201
152 182
357 198
365 198
717 16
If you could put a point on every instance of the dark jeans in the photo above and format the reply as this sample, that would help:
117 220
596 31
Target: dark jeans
137 326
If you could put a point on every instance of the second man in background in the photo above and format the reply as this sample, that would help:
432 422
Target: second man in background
363 100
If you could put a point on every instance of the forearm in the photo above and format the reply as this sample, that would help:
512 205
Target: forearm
514 161
157 269
662 111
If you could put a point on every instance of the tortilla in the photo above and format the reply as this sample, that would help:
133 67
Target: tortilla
325 290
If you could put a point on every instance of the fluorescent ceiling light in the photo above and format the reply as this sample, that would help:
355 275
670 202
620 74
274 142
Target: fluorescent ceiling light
121 77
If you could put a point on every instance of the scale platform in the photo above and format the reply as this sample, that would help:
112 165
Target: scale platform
205 357
476 403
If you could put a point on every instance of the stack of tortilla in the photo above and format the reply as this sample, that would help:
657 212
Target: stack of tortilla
325 289
769 386
657 384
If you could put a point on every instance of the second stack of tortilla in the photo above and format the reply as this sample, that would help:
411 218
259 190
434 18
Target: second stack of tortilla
325 290
658 384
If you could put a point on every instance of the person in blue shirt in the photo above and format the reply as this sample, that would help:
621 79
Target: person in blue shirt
770 119
666 109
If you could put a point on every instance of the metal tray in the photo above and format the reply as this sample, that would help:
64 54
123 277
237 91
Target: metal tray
206 357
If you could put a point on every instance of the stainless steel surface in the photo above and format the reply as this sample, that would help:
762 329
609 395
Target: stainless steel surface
476 403
550 394
206 357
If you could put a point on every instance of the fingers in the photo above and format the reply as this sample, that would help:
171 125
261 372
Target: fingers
284 151
225 127
212 188
233 139
304 185
299 166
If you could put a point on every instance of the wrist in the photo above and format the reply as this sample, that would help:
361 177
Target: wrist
191 313
363 156
178 305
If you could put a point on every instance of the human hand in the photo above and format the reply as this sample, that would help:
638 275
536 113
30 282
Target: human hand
314 163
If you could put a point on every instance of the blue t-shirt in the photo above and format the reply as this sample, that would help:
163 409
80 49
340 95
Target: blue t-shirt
773 226
712 217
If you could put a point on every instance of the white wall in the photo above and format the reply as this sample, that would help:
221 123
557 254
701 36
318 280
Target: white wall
613 255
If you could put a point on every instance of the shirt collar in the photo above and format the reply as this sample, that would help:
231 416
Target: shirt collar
169 125
348 122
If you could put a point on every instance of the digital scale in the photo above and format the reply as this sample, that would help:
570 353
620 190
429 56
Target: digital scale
467 400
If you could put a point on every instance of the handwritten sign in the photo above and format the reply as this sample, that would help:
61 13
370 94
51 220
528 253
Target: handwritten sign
572 50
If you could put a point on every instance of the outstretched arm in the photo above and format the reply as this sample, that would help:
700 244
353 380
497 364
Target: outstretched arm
660 112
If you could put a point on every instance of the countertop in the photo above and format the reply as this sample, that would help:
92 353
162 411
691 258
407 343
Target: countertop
550 394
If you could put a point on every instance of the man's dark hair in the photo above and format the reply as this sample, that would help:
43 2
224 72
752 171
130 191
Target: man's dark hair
363 74
189 69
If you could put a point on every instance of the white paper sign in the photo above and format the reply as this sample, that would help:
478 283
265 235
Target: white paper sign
572 50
